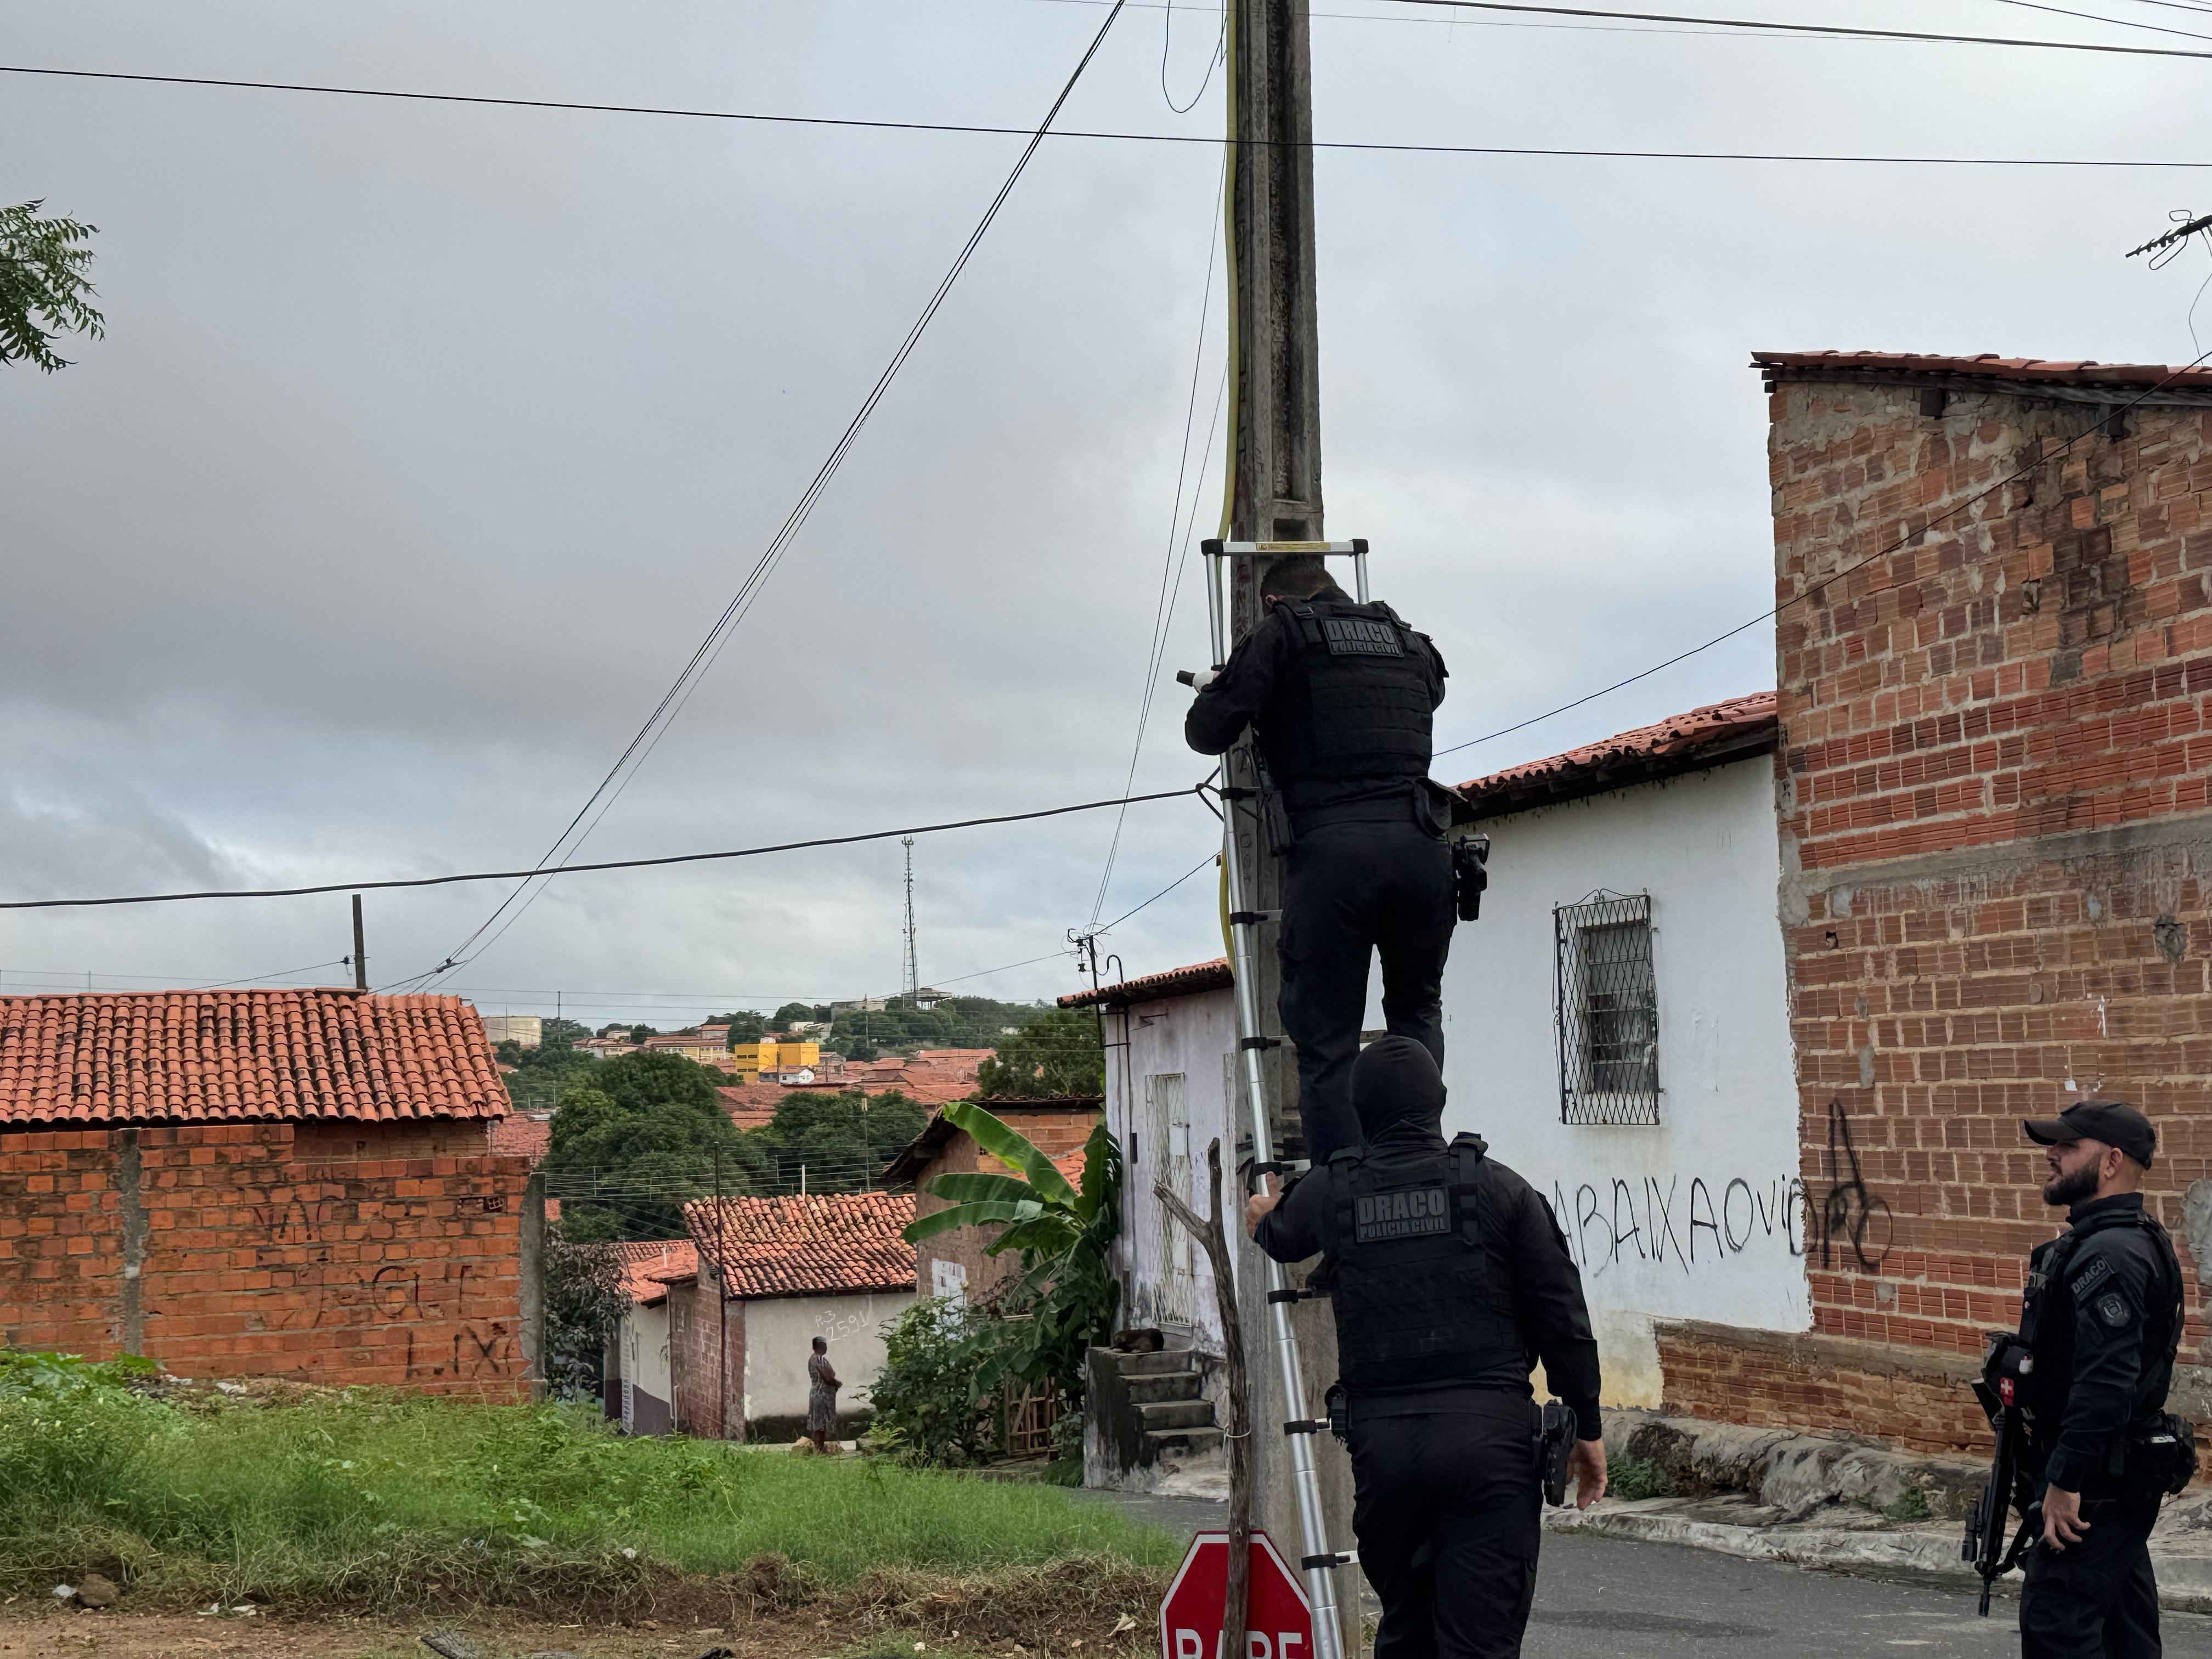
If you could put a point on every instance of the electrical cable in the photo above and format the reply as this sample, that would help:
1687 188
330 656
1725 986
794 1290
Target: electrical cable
709 651
1826 582
1209 859
1171 570
255 979
1212 63
2115 23
577 869
1847 31
1539 152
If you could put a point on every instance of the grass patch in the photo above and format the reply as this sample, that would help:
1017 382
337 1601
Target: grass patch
371 1501
1911 1505
1637 1477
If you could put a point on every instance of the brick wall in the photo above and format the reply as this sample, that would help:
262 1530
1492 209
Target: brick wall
1054 1133
371 1253
707 1358
1994 777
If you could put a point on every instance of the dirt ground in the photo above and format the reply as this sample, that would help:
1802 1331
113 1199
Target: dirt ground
62 1634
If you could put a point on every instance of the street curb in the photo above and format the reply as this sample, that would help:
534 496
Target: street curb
1917 1555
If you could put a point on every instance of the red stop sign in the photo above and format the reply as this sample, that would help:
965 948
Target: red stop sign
1278 1617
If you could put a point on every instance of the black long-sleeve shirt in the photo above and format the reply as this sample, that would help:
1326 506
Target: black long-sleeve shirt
2113 1279
1518 1222
1236 697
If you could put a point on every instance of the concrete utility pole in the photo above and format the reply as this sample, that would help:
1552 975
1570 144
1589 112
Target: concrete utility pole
1275 495
359 950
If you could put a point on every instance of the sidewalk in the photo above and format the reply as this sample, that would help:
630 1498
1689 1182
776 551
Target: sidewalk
1772 1495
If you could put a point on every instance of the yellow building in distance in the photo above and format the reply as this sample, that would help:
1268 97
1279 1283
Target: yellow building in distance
751 1059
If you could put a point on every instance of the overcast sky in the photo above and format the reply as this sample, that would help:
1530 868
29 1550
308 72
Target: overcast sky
426 440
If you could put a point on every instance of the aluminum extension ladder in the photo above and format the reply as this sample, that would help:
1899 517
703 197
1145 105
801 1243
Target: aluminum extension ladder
1320 1561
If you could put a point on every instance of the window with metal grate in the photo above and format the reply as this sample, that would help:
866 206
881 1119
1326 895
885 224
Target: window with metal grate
1608 1010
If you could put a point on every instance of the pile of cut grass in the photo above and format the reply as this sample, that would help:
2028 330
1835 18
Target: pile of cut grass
378 1502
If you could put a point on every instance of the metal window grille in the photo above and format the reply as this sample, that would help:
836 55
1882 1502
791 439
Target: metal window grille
1608 1010
1173 1299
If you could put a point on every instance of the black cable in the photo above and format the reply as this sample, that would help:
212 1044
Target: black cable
709 649
576 869
1162 893
2115 23
2098 425
1848 31
1534 151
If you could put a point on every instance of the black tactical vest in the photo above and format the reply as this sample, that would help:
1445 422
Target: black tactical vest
1355 701
1421 1296
2046 1325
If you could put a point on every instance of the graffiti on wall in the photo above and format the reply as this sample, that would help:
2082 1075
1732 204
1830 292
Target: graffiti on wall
406 1297
1655 1218
1853 1219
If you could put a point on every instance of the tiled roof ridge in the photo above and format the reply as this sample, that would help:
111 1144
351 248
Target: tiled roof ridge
2085 371
1211 976
1638 755
296 1054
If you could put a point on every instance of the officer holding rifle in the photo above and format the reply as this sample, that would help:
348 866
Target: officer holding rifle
2086 1449
1450 1280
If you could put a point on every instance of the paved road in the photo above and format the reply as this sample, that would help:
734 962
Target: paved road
1605 1598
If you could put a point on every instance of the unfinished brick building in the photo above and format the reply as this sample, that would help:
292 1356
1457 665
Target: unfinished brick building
1994 786
289 1183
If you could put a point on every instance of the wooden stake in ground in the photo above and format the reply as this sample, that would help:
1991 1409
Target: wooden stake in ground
1214 1240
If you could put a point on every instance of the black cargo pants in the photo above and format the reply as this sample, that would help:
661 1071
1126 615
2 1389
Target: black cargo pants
1352 892
2096 1599
1447 1509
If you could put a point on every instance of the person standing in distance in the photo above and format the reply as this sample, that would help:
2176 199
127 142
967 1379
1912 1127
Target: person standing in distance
1452 1280
822 1386
2102 1316
1340 697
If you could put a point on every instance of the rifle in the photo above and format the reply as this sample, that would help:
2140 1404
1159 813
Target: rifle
2005 1368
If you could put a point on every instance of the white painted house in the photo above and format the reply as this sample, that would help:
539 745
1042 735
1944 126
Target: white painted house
1617 1024
1171 1089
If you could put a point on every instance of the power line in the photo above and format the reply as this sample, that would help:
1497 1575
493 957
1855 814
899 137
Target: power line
1845 30
1539 152
2115 23
1171 570
709 650
2101 422
577 869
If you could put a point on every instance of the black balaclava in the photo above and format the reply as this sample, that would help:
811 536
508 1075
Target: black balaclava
1395 1088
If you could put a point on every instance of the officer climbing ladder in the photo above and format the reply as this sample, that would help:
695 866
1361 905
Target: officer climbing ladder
1319 1560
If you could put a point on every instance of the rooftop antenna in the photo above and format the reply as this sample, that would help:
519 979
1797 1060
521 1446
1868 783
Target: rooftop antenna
913 973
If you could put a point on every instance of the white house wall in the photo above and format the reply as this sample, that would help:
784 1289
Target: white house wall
645 1386
1192 1037
1700 1216
780 1332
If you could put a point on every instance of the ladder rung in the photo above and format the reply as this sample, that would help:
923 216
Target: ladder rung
1259 1042
1306 1425
1253 918
1298 1295
1328 1562
1214 549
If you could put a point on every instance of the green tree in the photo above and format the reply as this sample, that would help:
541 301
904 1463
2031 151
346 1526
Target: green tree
745 1026
639 1139
44 290
561 1033
842 1140
1056 1052
794 1013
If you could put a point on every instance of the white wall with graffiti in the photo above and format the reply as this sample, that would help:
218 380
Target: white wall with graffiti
1627 973
780 1332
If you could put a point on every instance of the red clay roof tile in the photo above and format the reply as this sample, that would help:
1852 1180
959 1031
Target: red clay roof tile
241 1056
1212 975
820 1244
1679 743
650 1265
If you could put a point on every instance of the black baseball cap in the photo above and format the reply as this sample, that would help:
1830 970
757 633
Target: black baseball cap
2112 1121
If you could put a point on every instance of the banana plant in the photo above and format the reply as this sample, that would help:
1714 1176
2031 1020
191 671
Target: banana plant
1062 1230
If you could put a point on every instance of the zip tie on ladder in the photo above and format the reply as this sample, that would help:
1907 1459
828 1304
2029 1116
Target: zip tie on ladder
1298 1295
